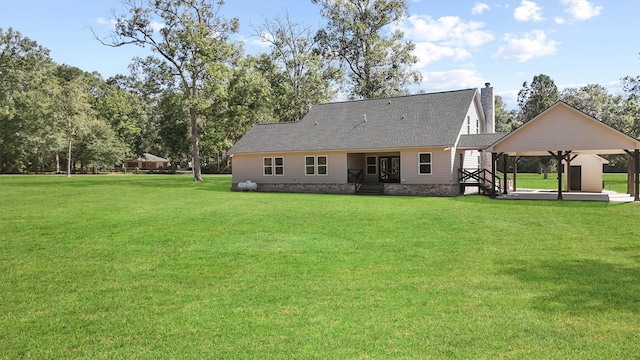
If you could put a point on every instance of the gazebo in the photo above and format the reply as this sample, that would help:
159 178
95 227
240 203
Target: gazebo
564 133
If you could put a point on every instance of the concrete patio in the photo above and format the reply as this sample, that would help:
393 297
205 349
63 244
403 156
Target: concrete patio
538 194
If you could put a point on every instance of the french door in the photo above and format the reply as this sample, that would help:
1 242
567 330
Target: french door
389 169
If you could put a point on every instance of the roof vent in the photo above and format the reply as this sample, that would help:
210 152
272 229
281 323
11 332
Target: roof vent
365 117
316 123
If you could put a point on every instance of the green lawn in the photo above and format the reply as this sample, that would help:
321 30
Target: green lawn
615 182
143 266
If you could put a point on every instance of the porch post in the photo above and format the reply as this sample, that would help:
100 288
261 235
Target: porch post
505 167
559 159
516 160
636 161
494 157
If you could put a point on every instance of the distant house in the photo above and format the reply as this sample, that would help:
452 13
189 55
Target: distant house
433 144
146 162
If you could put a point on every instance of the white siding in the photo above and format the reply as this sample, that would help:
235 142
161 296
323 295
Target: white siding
440 166
250 167
591 172
471 159
471 124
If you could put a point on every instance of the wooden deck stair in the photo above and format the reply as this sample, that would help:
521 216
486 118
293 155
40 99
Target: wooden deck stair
480 178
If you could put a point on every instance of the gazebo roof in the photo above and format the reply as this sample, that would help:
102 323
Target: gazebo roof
564 128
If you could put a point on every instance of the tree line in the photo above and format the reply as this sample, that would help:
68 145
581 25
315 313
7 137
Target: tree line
198 92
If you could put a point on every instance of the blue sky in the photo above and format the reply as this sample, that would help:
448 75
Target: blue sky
460 43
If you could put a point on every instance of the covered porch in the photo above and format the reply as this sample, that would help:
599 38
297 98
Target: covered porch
564 133
373 168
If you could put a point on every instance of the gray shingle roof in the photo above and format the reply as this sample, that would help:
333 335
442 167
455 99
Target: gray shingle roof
479 141
389 123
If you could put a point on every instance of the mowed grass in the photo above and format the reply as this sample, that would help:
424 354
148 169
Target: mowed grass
138 266
612 181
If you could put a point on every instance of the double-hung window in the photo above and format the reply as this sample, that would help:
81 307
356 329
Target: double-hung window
316 165
273 166
424 163
372 165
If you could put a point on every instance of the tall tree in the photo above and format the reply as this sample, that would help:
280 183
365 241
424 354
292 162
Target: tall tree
300 75
173 127
188 36
74 107
127 114
26 73
506 120
246 101
376 58
631 88
535 98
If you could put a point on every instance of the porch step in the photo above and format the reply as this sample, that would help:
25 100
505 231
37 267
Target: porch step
616 197
371 189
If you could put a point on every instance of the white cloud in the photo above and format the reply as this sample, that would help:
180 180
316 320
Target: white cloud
156 26
109 22
581 9
266 37
528 11
533 45
428 52
559 20
447 37
264 41
454 79
479 8
450 30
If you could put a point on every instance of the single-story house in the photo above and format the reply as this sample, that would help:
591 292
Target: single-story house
407 145
146 162
432 144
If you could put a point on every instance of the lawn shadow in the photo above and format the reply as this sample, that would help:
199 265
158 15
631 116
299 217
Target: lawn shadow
578 287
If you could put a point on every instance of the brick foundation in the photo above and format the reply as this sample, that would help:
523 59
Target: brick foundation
304 188
422 189
443 190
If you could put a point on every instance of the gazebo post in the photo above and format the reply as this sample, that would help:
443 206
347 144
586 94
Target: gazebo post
494 158
636 160
559 159
515 172
505 167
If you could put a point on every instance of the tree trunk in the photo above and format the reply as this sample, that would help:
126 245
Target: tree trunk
57 163
69 160
195 141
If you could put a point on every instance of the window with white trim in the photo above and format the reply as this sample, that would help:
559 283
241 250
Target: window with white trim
372 165
316 165
273 166
424 163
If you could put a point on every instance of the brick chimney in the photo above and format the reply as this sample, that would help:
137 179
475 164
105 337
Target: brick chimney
488 101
